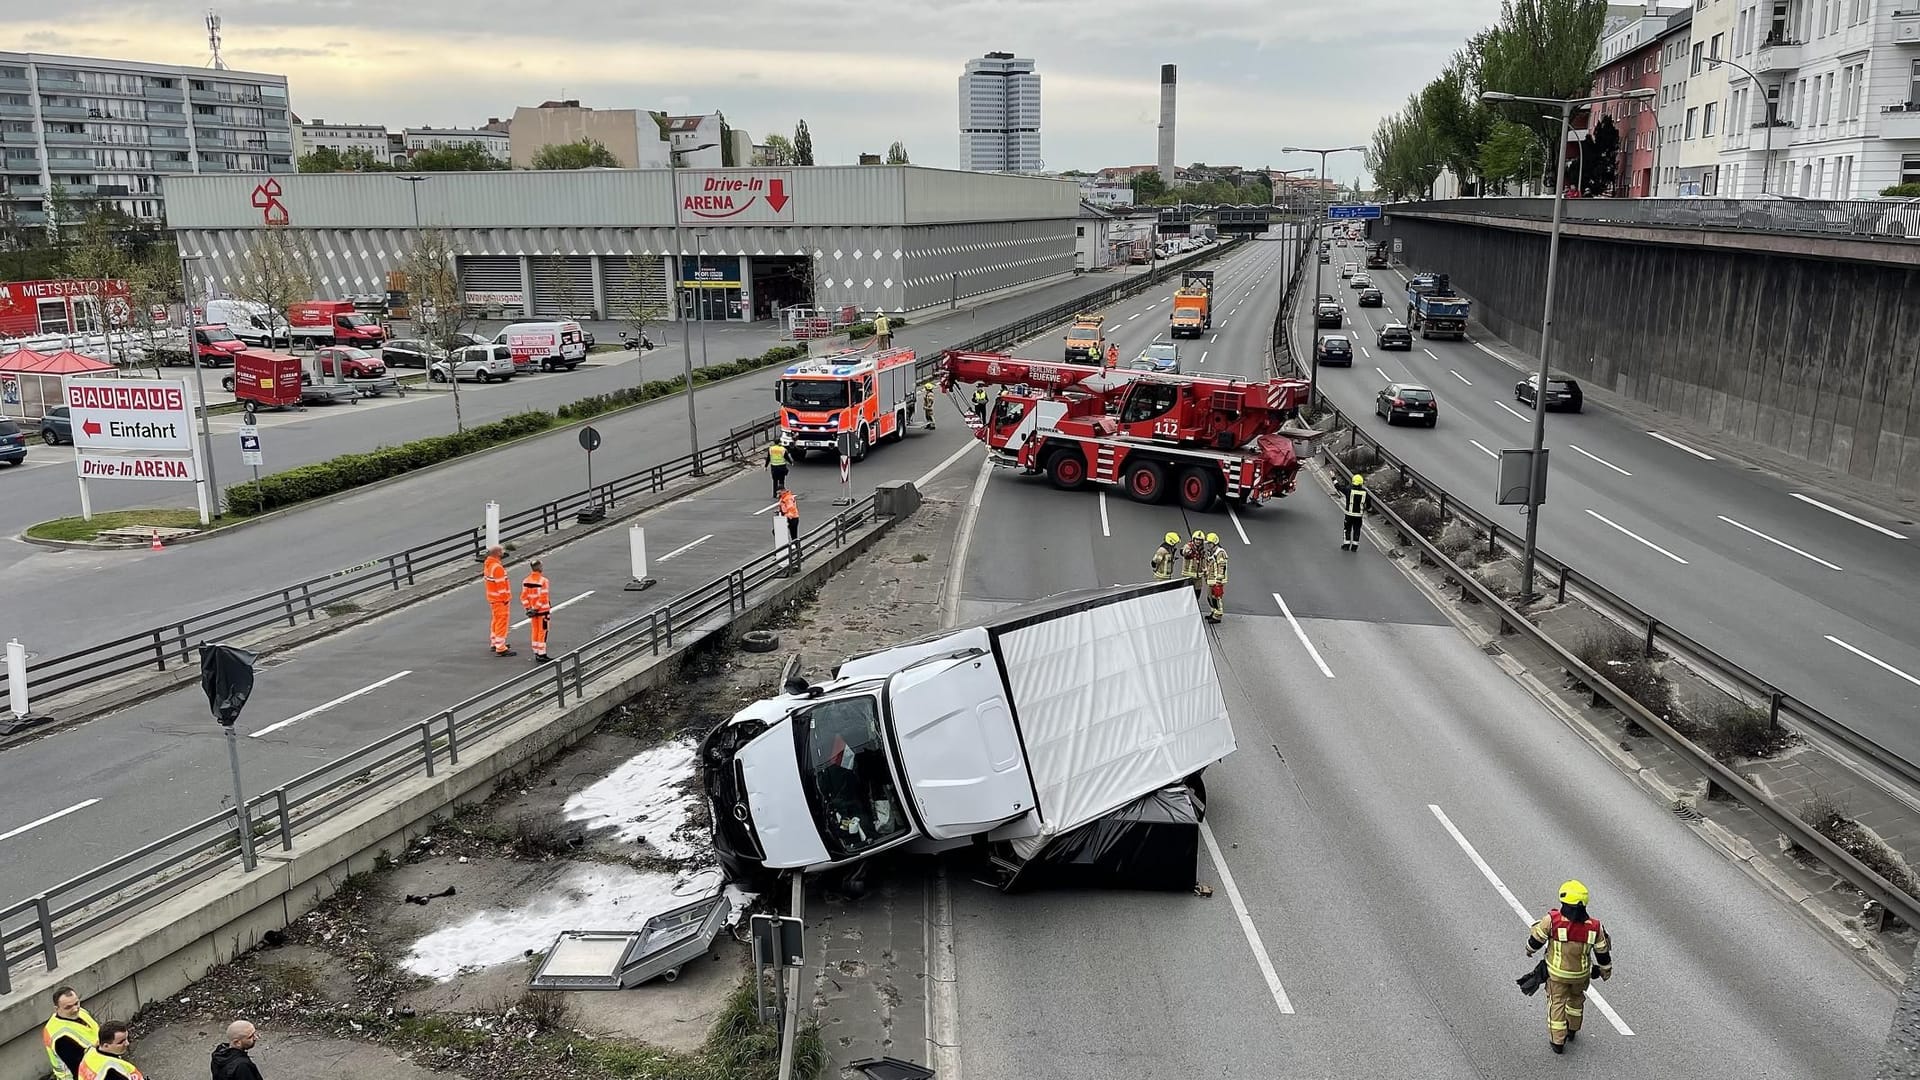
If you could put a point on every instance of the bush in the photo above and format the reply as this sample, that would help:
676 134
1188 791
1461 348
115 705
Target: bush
1828 817
1461 543
1621 658
1386 482
1902 191
1740 731
1361 457
1422 516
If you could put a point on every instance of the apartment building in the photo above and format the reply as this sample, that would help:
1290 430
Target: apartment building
109 132
633 136
1676 46
317 134
1844 77
1631 59
496 143
1695 155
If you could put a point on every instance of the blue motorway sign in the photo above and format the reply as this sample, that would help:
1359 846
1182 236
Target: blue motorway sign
1361 211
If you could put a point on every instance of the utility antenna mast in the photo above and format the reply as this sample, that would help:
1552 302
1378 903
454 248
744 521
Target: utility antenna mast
213 40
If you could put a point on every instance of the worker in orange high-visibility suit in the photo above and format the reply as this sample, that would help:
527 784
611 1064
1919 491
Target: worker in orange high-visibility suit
790 509
1113 356
499 599
536 596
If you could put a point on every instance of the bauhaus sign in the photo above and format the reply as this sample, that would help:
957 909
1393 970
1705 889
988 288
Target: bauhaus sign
130 414
737 196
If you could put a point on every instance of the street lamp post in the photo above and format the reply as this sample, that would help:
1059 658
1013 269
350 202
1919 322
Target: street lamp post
453 369
199 386
681 301
1536 481
1313 370
1766 172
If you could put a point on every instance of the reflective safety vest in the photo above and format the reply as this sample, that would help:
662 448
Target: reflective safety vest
776 455
980 396
789 507
1164 557
83 1029
536 594
1356 502
1217 567
499 589
881 326
1195 554
1572 947
98 1065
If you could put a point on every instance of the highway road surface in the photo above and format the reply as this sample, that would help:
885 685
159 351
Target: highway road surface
1393 797
58 601
1818 597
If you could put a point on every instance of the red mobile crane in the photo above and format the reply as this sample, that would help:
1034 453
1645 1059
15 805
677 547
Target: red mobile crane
1197 437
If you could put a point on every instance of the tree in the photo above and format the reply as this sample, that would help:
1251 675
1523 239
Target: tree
897 154
634 310
153 280
96 255
440 310
1541 48
1600 158
356 159
585 154
276 273
1510 154
802 144
1147 186
467 157
63 215
779 150
564 293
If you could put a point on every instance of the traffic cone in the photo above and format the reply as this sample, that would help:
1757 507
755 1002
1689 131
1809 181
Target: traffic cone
156 545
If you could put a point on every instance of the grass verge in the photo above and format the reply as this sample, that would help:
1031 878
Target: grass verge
79 529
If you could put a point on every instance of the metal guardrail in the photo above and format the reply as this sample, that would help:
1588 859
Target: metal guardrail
1657 634
1878 219
38 927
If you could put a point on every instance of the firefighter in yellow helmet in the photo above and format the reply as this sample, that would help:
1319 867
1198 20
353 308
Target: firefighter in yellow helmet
1354 512
1216 578
1194 561
926 402
1577 950
1166 557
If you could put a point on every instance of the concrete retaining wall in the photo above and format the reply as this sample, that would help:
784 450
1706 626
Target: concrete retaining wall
1813 357
163 950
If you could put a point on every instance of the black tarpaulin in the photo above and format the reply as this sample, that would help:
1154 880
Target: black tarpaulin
226 674
1150 843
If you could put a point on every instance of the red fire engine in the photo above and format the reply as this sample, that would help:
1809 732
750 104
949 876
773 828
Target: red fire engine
76 306
861 398
1196 438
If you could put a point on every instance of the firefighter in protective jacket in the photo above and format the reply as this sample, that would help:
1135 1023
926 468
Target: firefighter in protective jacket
1194 561
1216 579
1577 950
1166 557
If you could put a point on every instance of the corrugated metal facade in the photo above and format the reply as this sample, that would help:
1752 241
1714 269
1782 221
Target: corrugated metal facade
971 233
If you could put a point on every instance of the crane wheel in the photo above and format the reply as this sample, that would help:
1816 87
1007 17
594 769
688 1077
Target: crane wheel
1199 489
1147 482
1067 469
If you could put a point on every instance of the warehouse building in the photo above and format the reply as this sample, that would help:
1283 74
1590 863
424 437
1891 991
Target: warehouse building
594 243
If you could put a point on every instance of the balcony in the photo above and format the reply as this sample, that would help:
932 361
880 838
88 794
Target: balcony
209 97
26 191
30 217
161 93
21 163
177 142
80 191
9 83
1900 121
19 138
8 108
62 112
60 83
68 138
1777 58
206 166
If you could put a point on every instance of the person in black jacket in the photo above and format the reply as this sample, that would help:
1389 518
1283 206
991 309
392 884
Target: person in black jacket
230 1060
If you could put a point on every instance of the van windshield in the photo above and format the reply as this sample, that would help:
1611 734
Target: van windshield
813 394
218 333
1082 333
356 320
849 783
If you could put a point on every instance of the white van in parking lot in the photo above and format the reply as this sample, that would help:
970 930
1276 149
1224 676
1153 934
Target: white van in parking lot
250 322
544 345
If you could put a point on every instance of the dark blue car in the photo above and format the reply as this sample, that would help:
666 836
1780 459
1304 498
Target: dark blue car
13 443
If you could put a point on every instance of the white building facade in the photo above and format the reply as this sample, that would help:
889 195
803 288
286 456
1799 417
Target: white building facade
497 144
1695 155
1845 79
109 132
1676 48
311 135
1000 115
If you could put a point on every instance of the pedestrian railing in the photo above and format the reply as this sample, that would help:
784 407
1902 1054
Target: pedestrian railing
1895 220
38 928
1657 636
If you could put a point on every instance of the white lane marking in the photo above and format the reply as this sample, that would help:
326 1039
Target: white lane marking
1213 339
1237 527
1203 356
1777 543
1383 374
1260 957
318 709
1459 376
928 476
1105 530
1867 656
55 816
1484 450
1302 635
1598 458
1134 316
1235 311
1513 902
1811 501
684 548
1150 307
1493 354
1602 518
1429 353
557 607
1368 355
1677 444
765 508
1512 413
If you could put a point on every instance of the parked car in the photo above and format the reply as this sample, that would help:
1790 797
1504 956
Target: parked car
13 443
354 363
1372 297
56 427
1328 315
548 346
252 323
1335 351
461 341
1406 401
476 363
1395 335
411 352
1561 393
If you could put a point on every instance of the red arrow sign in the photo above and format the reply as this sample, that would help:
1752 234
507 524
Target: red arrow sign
777 194
91 427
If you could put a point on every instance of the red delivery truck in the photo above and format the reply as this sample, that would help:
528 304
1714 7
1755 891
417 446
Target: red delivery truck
265 378
333 322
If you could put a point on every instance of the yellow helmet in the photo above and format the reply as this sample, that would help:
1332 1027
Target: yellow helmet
1199 535
1358 480
1213 538
1173 538
1573 892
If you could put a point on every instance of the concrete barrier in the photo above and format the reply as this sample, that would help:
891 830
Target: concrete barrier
166 948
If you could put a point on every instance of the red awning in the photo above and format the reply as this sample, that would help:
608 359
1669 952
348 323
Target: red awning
64 362
22 360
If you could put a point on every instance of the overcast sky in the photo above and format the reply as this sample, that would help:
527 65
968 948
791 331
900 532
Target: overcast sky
1255 75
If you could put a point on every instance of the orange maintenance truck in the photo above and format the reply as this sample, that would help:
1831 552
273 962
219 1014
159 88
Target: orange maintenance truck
863 397
1085 341
1193 304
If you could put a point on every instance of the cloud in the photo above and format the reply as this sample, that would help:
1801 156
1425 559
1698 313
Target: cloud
1255 75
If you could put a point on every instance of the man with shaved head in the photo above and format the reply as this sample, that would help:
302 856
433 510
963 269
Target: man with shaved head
230 1060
